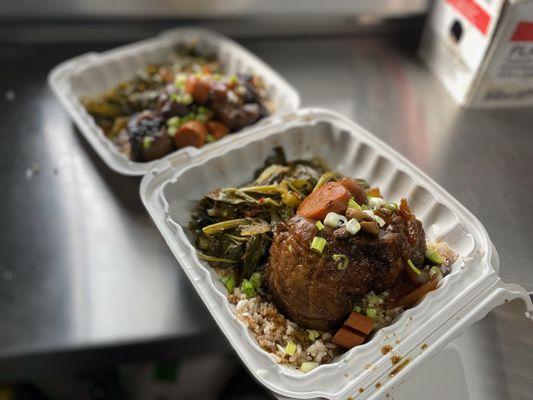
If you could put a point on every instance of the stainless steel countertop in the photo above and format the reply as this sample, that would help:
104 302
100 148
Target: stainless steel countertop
82 266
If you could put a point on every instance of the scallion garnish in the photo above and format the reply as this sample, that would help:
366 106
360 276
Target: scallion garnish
434 257
256 279
229 282
248 288
318 244
319 225
413 268
371 313
353 226
353 204
313 335
290 349
147 142
342 261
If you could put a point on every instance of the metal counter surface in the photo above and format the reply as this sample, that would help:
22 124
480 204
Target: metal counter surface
82 267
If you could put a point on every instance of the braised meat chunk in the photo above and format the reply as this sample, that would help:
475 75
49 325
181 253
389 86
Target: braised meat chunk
317 290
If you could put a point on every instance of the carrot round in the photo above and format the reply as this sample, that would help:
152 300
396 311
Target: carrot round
331 197
355 189
417 294
198 88
192 133
217 129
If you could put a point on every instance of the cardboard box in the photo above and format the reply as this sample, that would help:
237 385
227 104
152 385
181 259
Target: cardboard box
482 50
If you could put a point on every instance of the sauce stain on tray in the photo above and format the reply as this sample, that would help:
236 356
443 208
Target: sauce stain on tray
396 370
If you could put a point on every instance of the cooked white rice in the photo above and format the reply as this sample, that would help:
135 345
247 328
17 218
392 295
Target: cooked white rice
273 332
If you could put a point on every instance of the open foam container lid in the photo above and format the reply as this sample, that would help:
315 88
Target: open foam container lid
94 73
174 185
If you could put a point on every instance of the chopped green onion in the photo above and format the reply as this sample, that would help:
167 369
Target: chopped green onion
172 130
290 349
319 225
318 244
187 118
335 220
371 313
174 121
357 309
353 204
377 218
308 366
179 80
222 226
392 206
182 98
233 79
342 261
376 202
202 118
313 335
353 226
434 257
229 282
248 288
435 272
203 110
147 142
412 266
256 279
209 138
374 299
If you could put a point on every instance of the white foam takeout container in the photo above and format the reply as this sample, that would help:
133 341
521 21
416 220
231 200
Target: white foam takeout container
174 186
94 73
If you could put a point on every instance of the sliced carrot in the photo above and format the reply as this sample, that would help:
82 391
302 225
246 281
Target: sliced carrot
416 295
198 88
355 189
348 338
360 323
331 197
217 129
192 133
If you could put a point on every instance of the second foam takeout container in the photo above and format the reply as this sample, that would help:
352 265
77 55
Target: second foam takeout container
173 187
94 73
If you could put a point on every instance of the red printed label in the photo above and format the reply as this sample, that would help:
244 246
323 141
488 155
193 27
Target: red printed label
523 32
472 12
